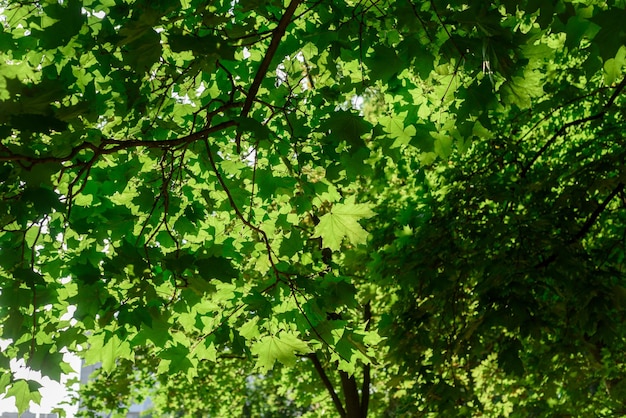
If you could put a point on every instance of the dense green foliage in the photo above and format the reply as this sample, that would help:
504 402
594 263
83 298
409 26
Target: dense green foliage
383 208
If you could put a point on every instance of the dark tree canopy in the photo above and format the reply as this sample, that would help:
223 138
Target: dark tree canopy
316 208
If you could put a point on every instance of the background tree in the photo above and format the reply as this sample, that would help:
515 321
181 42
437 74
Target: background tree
193 184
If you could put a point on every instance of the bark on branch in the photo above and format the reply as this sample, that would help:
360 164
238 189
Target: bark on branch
110 146
328 384
351 394
279 32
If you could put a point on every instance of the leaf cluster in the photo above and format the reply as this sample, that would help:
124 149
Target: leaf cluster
381 207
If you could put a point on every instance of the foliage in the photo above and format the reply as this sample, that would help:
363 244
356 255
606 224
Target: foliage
386 208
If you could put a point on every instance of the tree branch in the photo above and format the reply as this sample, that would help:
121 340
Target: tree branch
564 128
445 28
596 213
239 214
327 383
351 395
267 59
365 390
110 146
365 386
591 220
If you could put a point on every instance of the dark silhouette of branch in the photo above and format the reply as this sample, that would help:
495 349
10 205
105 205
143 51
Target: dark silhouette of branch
227 318
596 213
591 220
351 395
365 385
445 28
555 109
294 289
240 215
265 64
564 128
327 383
111 146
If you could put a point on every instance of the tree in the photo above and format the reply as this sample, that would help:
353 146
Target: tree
384 208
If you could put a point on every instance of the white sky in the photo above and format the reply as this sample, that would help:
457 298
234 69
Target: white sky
52 393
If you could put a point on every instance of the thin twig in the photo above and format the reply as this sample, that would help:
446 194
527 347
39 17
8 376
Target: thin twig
596 213
591 220
240 215
564 128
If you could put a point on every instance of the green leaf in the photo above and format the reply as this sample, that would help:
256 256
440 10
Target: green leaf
282 347
346 126
69 24
486 136
33 123
613 67
144 51
443 144
250 329
176 359
610 38
404 136
259 131
5 380
207 46
206 351
40 174
520 90
108 350
24 392
220 268
48 363
28 277
342 222
510 361
42 199
576 28
384 63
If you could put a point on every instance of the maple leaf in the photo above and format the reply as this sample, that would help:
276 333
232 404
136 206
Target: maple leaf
282 348
24 392
343 222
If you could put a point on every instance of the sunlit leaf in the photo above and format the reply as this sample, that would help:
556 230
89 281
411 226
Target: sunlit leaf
282 347
342 222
